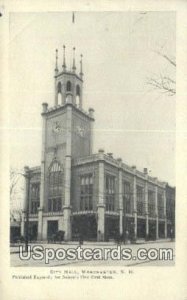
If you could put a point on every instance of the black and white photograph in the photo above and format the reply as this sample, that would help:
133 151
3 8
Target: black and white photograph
92 133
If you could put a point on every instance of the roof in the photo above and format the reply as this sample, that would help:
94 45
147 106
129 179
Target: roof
118 164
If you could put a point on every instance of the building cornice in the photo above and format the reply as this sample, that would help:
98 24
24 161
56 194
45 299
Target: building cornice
68 73
101 157
60 108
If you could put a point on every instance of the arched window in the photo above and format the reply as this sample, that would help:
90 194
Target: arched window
55 187
68 86
59 87
78 90
78 95
59 95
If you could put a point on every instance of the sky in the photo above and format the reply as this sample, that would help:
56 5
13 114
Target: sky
132 120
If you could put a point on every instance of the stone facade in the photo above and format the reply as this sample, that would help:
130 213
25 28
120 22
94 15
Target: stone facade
91 195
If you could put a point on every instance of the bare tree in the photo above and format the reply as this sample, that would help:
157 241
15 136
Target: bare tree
164 83
15 215
15 189
14 178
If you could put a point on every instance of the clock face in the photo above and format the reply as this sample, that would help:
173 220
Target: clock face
80 131
57 127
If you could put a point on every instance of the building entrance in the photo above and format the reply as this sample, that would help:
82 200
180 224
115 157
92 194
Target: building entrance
152 230
33 230
52 229
84 227
141 228
111 227
128 228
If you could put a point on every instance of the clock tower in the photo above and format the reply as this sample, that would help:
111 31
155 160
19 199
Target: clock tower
66 134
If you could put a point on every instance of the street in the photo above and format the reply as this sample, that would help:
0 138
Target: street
113 259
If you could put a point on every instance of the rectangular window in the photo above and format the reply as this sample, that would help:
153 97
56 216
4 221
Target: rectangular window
160 206
86 192
110 192
151 203
34 207
140 200
54 204
127 204
50 205
59 205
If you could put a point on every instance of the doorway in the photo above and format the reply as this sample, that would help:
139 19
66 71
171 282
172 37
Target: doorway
52 228
33 230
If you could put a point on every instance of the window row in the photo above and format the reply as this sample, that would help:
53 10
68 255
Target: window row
110 191
68 88
161 212
86 185
86 192
55 189
54 204
110 203
170 213
127 197
141 208
35 191
55 180
151 209
86 203
34 207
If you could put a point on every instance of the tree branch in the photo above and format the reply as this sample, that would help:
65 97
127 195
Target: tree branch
171 61
163 84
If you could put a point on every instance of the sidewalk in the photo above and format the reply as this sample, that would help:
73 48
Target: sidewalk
16 261
15 249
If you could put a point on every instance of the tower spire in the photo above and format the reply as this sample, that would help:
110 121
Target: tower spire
56 65
64 58
74 67
81 70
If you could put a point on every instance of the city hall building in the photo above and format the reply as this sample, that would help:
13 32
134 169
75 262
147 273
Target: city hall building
83 193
